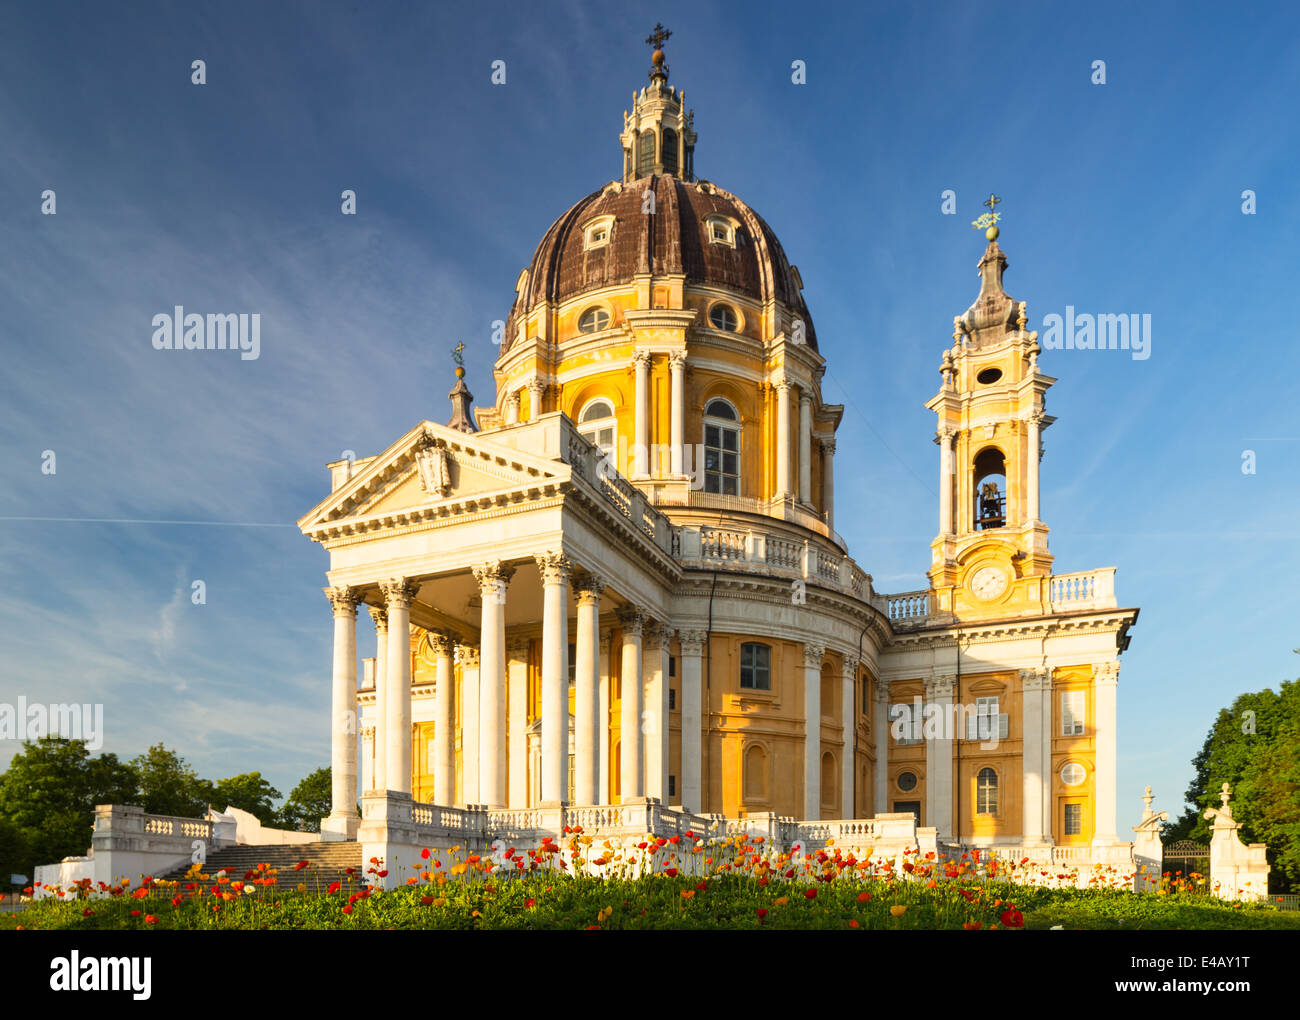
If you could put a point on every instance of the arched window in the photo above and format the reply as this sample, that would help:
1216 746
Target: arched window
598 424
986 792
593 320
670 151
755 780
990 488
721 448
830 794
755 667
645 154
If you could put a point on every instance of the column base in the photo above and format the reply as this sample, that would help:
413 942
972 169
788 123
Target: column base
339 828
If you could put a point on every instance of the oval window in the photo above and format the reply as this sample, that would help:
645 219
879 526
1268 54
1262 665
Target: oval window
989 375
1072 773
907 781
723 317
593 320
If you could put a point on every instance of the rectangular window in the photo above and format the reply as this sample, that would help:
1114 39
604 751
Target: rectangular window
573 664
721 459
1074 710
672 698
755 667
1074 819
672 665
905 722
987 723
672 786
902 807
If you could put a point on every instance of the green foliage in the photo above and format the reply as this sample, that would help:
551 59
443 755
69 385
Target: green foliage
309 802
248 792
49 793
169 786
1254 746
15 855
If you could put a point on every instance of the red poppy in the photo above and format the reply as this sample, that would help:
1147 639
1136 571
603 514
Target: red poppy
135 913
425 853
670 872
529 903
811 894
971 925
1013 919
426 901
87 912
384 873
762 913
300 865
863 897
334 887
347 908
150 919
176 901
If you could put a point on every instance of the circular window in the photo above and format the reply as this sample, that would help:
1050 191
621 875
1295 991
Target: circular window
989 375
1072 773
906 781
593 320
723 317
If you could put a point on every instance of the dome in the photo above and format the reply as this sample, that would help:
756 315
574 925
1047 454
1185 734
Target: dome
676 239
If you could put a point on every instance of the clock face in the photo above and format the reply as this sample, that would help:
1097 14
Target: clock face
988 583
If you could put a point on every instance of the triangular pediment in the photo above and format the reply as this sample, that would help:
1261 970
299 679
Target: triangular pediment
431 465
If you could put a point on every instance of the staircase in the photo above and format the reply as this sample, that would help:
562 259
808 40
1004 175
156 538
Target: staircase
328 863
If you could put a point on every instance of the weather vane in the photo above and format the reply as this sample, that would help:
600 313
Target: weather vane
987 220
459 358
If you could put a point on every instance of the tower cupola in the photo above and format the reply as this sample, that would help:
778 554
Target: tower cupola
658 133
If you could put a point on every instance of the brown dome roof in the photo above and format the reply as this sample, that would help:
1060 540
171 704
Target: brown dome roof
674 240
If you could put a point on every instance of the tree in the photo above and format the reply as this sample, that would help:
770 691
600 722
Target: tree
248 792
15 854
310 801
49 793
1254 747
169 785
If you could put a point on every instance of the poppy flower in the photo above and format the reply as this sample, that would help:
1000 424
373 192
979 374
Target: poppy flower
971 925
347 908
670 872
300 865
1013 919
426 901
135 913
853 924
150 919
811 894
762 913
425 853
334 887
176 901
863 897
87 912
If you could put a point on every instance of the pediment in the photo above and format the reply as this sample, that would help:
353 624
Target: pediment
433 465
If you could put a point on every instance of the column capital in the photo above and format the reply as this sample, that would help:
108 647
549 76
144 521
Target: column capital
398 592
588 586
805 396
780 382
1105 673
536 387
641 359
467 656
657 636
632 620
828 446
850 666
492 575
344 600
881 695
555 567
813 655
440 642
692 641
941 685
677 361
1034 680
380 615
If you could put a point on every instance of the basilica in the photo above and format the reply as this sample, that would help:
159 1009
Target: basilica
619 582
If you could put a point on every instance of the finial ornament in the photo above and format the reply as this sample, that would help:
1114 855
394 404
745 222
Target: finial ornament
657 39
987 220
458 357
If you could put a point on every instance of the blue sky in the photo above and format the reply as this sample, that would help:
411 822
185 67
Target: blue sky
1119 198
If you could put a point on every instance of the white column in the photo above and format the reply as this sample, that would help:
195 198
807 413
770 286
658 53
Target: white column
782 438
805 447
677 409
1048 708
631 749
812 740
849 716
938 756
555 570
1035 431
379 780
517 723
1032 767
944 439
586 695
828 481
880 730
655 677
493 579
641 415
398 594
444 719
343 732
602 713
512 409
470 730
1105 683
692 719
536 399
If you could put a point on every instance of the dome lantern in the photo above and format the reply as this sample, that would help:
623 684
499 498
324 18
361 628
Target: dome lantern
658 135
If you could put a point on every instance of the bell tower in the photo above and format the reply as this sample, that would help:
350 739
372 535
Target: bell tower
991 550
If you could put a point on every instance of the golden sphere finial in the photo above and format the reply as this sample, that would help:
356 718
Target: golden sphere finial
460 372
992 233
